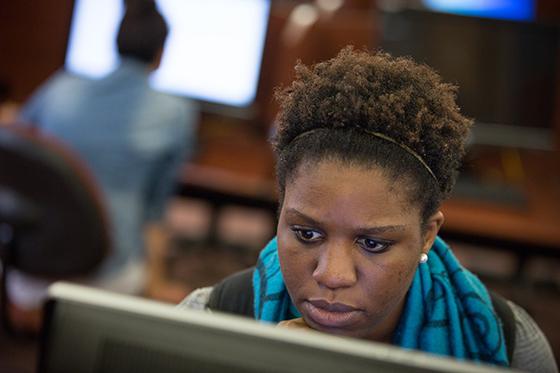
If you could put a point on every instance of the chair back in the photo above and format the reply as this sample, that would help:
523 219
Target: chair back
52 220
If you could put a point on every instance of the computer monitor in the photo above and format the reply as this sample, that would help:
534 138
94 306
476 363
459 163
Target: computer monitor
213 52
519 10
507 71
89 330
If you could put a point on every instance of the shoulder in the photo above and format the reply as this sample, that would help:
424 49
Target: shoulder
60 81
53 93
64 82
232 295
197 300
532 352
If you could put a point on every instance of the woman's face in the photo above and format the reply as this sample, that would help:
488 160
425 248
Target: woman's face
349 244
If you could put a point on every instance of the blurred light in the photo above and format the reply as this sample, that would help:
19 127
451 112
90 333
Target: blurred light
301 19
329 5
304 15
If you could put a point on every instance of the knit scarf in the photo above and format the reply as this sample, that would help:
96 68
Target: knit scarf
448 310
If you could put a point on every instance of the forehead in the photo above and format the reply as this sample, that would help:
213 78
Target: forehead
335 189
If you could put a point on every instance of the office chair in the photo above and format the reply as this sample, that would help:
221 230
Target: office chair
52 222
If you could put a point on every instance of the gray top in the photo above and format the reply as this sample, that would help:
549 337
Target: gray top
532 353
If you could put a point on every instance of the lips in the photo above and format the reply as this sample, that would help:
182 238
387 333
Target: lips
331 315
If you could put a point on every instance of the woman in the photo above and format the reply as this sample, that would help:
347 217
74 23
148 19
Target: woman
368 147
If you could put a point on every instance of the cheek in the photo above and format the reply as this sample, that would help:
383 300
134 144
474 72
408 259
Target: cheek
388 283
292 263
404 271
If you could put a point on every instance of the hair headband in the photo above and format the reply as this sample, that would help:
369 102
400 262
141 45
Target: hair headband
384 137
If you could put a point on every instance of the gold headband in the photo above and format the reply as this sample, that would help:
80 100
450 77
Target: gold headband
386 138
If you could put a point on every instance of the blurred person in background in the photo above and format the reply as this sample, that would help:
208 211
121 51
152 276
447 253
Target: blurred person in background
133 139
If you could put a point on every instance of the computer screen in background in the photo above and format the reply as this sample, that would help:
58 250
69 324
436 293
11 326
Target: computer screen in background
213 52
507 71
519 10
89 330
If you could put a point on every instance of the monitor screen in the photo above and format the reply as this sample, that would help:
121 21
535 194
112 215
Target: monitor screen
213 51
507 72
519 10
89 330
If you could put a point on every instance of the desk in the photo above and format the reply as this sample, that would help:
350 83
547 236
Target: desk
534 226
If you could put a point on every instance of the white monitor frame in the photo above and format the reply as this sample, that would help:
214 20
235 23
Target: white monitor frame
213 51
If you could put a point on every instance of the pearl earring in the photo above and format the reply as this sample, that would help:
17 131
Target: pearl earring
423 258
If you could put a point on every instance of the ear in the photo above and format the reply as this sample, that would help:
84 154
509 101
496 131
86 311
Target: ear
431 230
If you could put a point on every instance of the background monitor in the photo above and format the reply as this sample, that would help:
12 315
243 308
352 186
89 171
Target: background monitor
507 71
213 52
90 330
520 10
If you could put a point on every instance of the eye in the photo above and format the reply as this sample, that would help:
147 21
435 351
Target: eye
373 246
306 235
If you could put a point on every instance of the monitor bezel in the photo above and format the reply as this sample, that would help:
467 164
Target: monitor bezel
72 295
246 112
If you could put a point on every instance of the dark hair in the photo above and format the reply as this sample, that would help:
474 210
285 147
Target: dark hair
327 112
142 31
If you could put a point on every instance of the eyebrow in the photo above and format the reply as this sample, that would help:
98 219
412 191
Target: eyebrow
363 230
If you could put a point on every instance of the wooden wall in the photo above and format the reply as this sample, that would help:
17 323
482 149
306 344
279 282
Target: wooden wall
33 38
355 23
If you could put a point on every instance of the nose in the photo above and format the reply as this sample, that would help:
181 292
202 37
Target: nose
335 267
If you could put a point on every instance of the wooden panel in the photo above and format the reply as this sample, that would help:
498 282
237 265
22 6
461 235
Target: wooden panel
33 38
548 11
354 23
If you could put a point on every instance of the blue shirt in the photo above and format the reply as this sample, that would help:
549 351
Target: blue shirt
133 139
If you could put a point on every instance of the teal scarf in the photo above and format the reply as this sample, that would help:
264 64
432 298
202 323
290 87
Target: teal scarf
448 310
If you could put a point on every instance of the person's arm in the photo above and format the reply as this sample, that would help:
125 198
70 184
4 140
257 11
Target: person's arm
180 132
31 111
531 353
164 180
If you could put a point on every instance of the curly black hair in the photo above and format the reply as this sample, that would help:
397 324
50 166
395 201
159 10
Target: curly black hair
327 112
